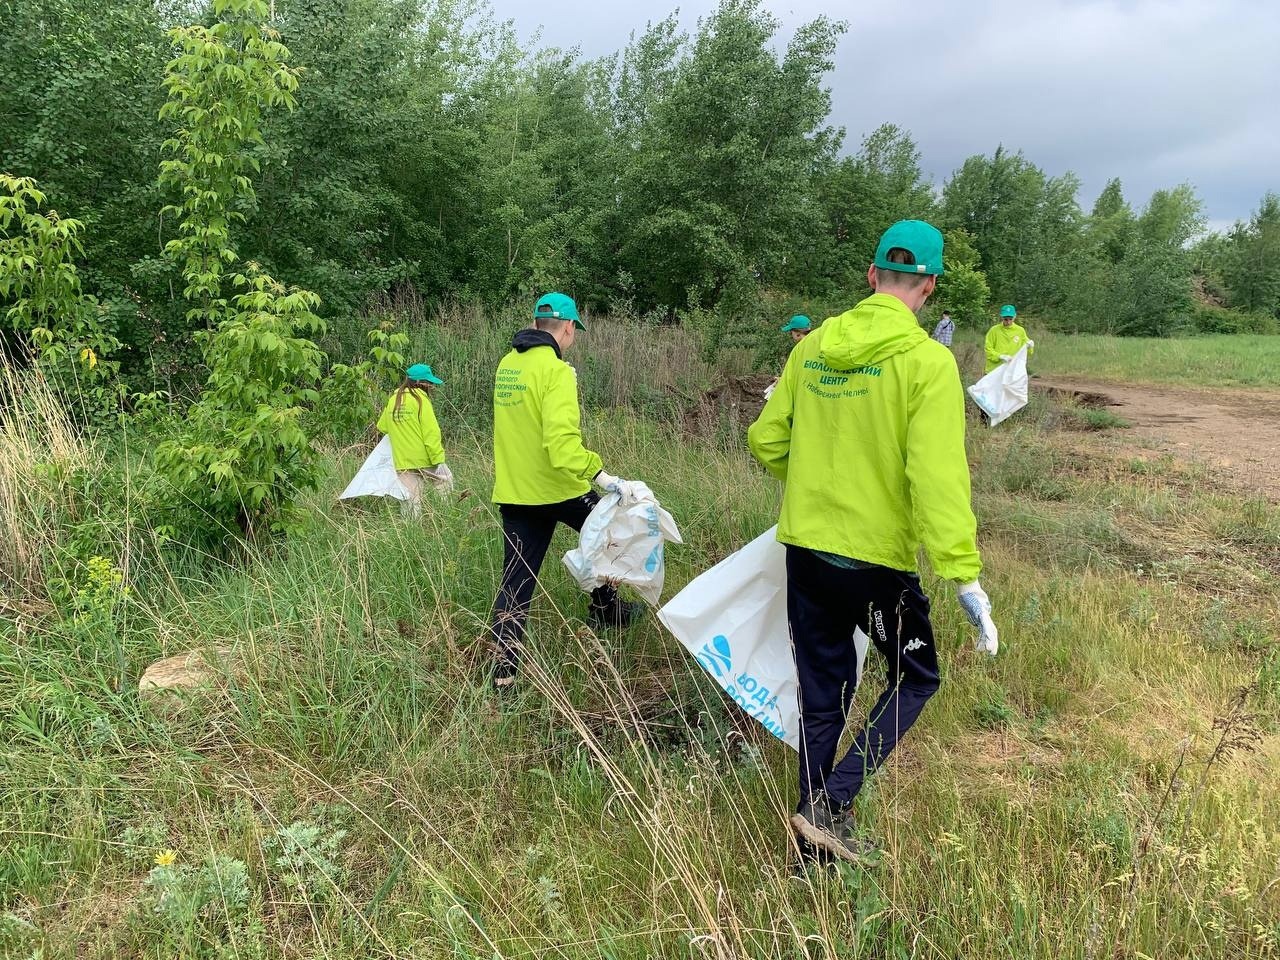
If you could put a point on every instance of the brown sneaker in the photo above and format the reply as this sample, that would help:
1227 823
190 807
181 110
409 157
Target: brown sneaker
824 827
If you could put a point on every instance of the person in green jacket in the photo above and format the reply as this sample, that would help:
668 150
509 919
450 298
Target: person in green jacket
543 474
417 450
798 326
1006 338
866 431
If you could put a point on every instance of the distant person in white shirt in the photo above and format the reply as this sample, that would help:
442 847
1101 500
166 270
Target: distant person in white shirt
945 330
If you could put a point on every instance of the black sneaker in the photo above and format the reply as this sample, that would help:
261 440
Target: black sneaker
616 616
830 829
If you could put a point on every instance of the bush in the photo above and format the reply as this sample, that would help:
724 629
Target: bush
1209 319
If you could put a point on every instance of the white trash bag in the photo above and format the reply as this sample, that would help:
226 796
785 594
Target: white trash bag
623 543
733 619
376 476
1003 391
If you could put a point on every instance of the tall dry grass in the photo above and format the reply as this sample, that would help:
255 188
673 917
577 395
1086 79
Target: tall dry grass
39 448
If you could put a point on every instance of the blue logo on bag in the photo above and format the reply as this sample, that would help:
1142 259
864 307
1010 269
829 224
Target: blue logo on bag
746 690
716 657
652 561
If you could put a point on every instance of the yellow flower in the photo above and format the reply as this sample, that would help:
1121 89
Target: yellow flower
166 858
88 356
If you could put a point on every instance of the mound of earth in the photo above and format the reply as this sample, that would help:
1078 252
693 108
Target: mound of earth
734 404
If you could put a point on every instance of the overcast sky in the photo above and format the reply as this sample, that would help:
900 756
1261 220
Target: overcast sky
1155 93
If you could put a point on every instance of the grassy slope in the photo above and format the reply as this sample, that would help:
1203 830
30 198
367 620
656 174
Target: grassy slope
1209 361
619 809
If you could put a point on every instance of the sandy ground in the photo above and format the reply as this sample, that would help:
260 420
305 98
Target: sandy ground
1234 432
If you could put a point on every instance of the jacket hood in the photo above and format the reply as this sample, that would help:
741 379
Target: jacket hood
876 329
530 337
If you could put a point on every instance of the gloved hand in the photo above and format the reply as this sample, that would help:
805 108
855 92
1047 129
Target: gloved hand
629 490
1031 344
1005 358
441 475
977 607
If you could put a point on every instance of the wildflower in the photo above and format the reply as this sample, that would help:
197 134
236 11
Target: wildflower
166 858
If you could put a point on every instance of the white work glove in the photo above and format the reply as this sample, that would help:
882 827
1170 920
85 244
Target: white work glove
1005 358
1031 344
977 607
629 490
441 475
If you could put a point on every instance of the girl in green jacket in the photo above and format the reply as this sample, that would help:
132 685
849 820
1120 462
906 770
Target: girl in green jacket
416 446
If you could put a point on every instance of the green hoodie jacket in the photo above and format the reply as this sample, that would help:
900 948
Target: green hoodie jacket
538 456
1004 340
414 432
866 429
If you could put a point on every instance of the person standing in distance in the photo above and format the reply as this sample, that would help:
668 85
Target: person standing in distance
1006 338
866 431
798 326
417 451
945 330
542 474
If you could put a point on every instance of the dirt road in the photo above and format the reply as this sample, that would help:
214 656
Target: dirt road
1234 432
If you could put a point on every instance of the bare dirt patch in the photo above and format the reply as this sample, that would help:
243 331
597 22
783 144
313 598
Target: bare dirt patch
734 404
1236 433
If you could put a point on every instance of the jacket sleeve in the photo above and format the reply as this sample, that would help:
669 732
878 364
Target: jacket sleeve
938 474
993 351
384 421
431 439
770 436
562 426
1031 347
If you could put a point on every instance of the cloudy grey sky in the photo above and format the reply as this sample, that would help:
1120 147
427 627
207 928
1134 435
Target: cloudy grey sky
1156 92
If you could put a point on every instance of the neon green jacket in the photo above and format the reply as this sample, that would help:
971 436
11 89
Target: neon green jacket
866 429
1005 341
538 456
414 432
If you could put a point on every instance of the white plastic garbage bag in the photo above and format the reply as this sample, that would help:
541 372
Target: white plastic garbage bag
1003 391
622 542
376 476
733 619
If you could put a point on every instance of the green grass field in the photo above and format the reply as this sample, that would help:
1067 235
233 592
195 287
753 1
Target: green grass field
1208 361
1107 787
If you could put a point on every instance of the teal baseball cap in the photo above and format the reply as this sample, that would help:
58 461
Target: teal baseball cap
557 306
1008 310
798 322
422 373
922 240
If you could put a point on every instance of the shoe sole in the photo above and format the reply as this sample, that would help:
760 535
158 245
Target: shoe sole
825 841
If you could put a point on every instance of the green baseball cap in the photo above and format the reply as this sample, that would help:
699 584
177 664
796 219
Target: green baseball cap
557 306
798 322
921 239
1008 310
422 373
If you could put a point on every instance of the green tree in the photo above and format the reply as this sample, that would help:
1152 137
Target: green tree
46 309
1024 224
242 455
1250 261
860 196
718 184
962 288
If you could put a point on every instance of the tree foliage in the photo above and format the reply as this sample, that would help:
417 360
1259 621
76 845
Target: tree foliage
430 147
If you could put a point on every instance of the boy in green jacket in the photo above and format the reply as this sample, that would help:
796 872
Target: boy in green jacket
1006 338
866 430
542 474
